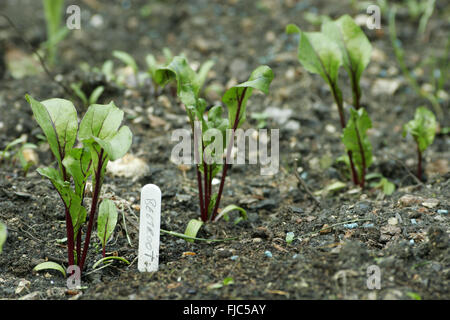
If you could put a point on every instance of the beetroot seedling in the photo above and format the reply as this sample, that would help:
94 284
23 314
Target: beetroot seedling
208 152
101 141
341 43
423 129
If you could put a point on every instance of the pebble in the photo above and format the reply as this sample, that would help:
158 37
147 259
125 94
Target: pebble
292 125
224 254
393 221
36 295
413 221
411 242
430 203
383 86
267 204
234 258
280 116
268 254
296 209
442 211
23 285
351 225
409 200
129 166
368 225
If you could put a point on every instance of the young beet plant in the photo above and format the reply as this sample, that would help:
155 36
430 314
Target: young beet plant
341 43
213 129
423 129
102 139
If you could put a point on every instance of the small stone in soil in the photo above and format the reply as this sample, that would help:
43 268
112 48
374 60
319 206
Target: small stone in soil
268 254
224 253
296 209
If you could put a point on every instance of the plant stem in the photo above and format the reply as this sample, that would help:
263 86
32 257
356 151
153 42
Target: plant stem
363 157
70 242
206 169
229 147
342 120
419 163
69 226
95 198
356 92
78 245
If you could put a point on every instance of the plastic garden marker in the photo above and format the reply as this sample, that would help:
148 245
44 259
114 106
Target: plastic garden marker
149 228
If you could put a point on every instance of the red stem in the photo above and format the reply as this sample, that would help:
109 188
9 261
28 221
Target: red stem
95 198
229 147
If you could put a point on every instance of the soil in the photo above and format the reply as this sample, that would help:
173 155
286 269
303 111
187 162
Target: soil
405 235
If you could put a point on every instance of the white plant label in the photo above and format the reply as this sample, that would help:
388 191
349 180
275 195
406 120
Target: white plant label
149 228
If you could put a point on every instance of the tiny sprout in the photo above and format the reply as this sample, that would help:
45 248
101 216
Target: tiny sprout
423 129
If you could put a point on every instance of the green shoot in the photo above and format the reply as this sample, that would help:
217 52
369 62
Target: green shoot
55 32
50 266
105 259
192 229
3 235
423 129
18 153
93 97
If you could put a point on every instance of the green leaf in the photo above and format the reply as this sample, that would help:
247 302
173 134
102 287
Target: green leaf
332 187
319 55
59 122
189 83
289 237
355 136
225 211
202 74
152 65
95 95
192 229
387 186
76 87
238 95
228 280
183 236
50 265
78 164
3 234
108 259
422 128
71 200
185 77
414 296
118 145
106 221
353 44
127 59
101 121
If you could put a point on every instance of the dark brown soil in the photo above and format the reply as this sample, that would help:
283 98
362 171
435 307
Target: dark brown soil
406 237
